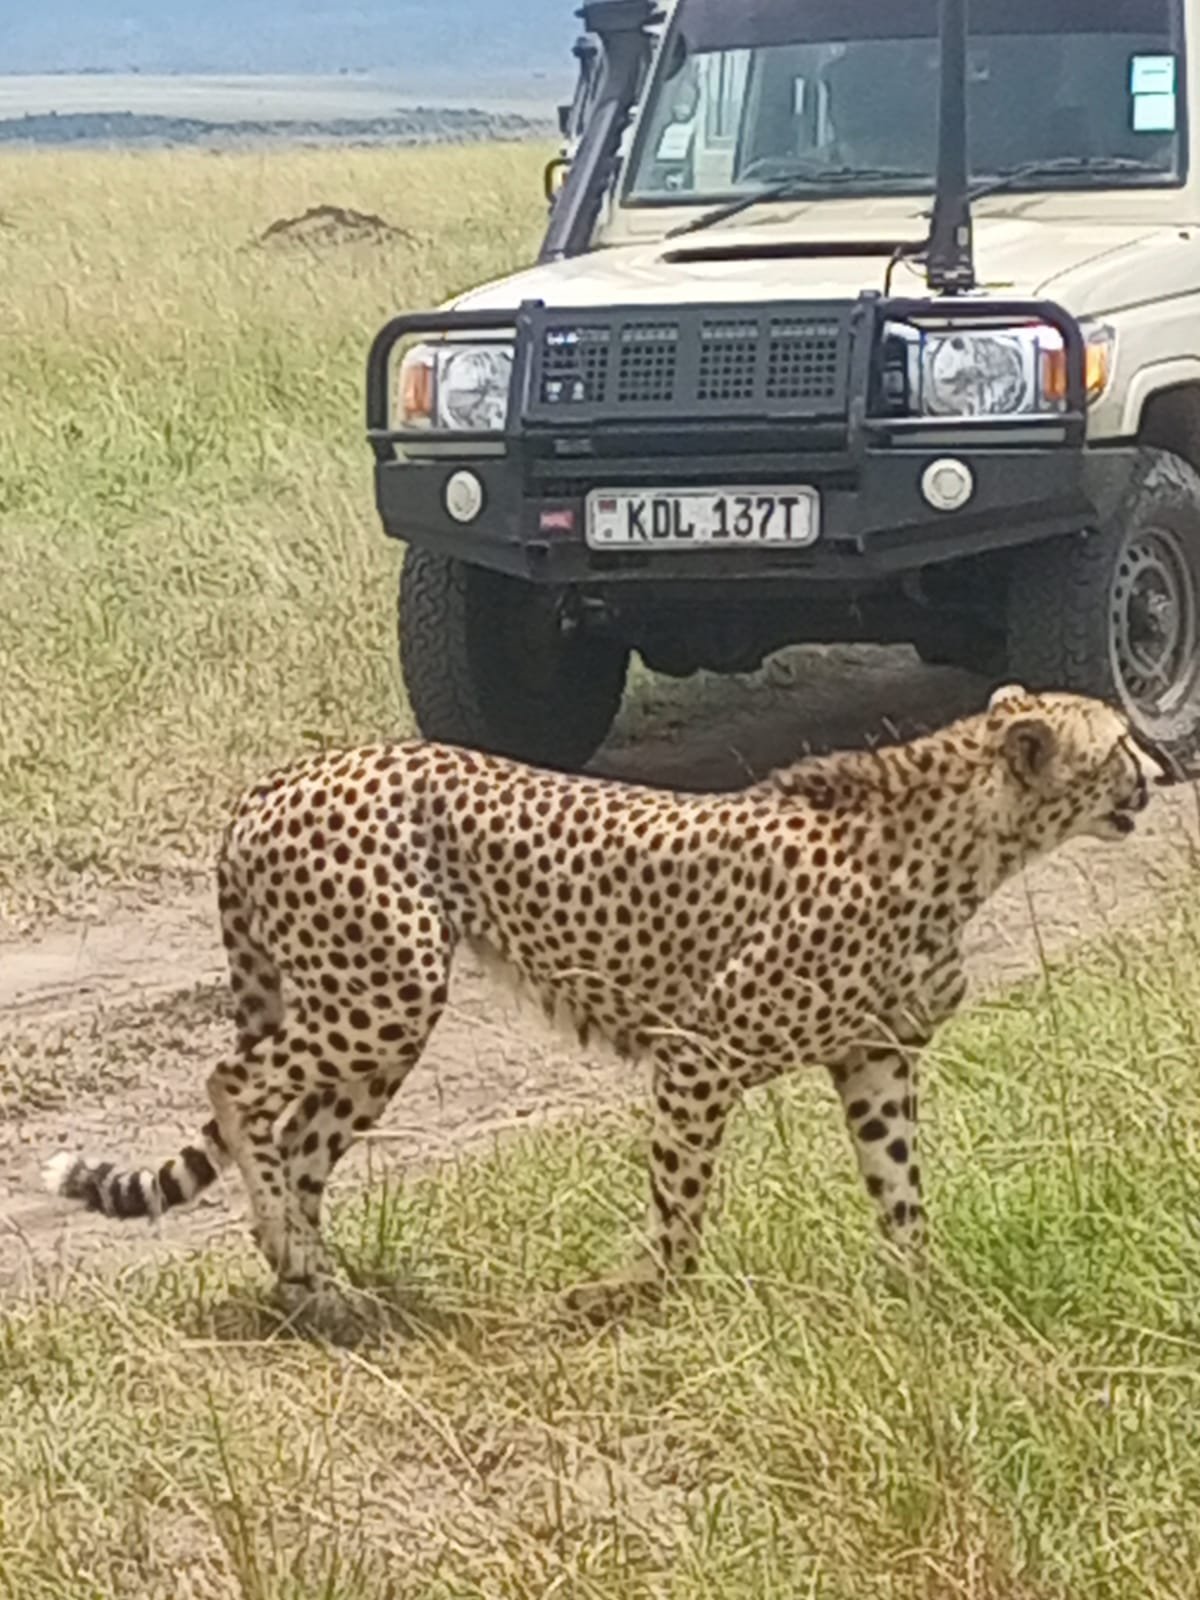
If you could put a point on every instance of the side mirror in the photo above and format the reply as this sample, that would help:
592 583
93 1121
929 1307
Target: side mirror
554 176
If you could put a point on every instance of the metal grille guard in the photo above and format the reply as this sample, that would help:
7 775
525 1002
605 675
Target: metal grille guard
774 361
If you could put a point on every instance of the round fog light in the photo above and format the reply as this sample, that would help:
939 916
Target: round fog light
947 484
463 496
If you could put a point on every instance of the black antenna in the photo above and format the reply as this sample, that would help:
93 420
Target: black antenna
949 257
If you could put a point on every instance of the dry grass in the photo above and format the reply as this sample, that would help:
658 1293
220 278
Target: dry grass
194 579
1022 1429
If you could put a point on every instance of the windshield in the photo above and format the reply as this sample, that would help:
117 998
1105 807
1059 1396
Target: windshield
842 95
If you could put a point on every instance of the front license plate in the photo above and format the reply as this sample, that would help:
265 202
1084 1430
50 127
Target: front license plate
689 519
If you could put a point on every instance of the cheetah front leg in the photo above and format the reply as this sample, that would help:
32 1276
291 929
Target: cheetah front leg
692 1102
878 1090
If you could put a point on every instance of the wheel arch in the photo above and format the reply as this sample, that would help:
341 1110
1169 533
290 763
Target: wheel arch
1170 420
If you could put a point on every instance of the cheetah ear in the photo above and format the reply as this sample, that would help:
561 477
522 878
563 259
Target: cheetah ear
1008 693
1029 746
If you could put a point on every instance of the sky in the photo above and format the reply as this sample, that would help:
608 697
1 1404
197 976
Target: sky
467 38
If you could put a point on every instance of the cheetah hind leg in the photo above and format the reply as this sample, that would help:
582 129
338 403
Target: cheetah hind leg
316 1134
360 1063
249 1093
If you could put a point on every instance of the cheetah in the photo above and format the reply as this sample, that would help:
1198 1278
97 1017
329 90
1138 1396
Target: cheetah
814 918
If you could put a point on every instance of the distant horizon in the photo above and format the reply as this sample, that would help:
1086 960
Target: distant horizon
385 75
228 100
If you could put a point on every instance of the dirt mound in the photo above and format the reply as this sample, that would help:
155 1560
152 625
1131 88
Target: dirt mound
327 225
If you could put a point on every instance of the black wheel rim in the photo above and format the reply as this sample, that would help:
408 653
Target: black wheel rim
1153 634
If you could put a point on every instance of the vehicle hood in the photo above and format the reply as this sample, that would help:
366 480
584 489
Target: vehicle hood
1090 267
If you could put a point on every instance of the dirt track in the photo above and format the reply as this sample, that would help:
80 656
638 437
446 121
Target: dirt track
107 1030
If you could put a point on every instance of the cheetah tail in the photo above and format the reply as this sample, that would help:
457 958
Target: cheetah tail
101 1186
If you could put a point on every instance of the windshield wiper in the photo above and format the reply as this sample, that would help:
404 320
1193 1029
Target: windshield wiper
794 186
1102 166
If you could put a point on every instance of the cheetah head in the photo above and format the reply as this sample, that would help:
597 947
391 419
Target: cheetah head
1074 767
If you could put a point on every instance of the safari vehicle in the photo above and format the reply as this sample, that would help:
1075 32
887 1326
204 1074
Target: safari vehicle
852 322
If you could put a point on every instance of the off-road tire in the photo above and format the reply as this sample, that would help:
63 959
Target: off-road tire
1065 603
487 665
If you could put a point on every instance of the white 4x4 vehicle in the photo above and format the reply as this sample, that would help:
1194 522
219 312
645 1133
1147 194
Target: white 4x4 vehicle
850 324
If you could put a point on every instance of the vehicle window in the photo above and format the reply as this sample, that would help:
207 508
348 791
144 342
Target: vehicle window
747 93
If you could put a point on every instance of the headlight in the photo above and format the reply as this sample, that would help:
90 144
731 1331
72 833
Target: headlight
977 374
1000 372
459 386
472 387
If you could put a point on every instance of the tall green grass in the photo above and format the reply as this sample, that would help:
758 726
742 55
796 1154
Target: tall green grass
1021 1427
192 577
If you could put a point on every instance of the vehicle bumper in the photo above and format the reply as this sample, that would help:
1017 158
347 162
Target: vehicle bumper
874 518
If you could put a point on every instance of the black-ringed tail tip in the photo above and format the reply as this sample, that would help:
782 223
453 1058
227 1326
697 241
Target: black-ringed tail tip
141 1192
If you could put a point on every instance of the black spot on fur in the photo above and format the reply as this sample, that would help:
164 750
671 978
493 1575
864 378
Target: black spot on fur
169 1186
199 1166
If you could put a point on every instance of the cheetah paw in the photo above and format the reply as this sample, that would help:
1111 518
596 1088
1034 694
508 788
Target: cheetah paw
619 1295
328 1310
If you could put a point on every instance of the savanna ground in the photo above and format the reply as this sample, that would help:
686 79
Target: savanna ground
193 586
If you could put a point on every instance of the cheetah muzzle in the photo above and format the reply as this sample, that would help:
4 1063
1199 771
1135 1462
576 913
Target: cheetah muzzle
812 919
